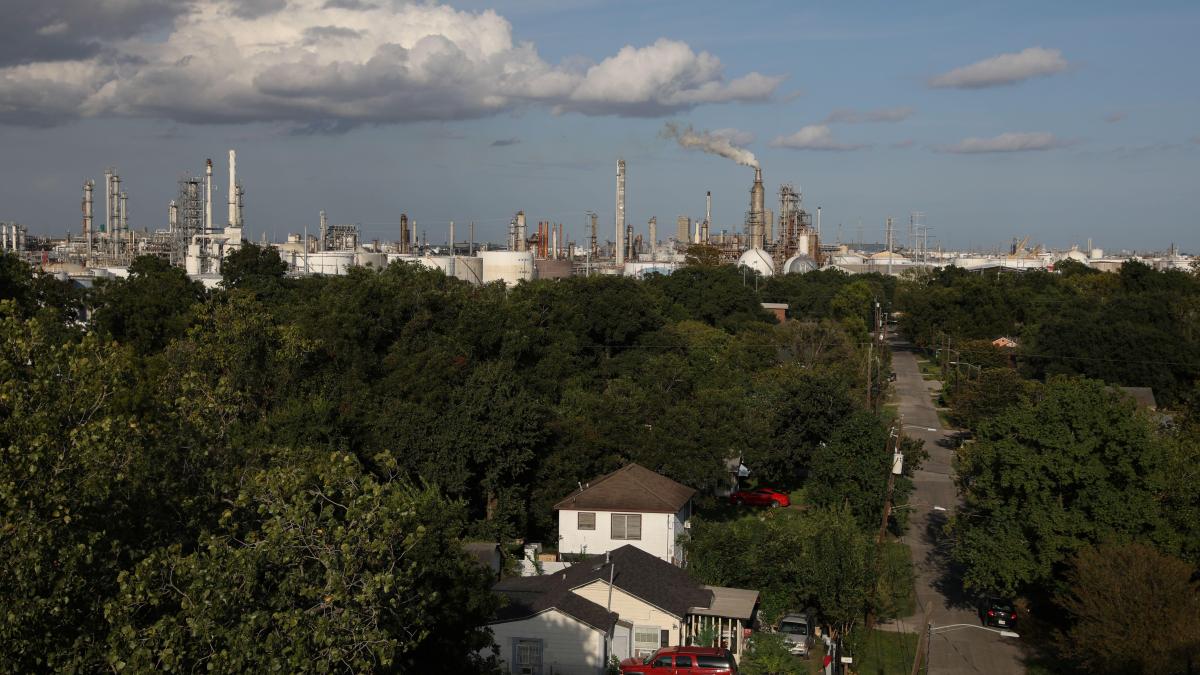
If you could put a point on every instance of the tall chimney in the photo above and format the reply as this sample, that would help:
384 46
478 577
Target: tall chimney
757 206
818 221
324 231
653 227
172 215
108 201
88 185
404 233
412 239
450 267
707 217
522 239
233 205
124 214
620 216
208 197
116 206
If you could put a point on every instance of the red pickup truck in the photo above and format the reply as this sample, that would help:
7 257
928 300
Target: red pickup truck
682 661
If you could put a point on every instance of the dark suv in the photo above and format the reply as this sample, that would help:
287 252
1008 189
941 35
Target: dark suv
999 613
682 661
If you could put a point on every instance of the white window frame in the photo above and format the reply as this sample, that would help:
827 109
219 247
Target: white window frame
623 531
579 525
644 648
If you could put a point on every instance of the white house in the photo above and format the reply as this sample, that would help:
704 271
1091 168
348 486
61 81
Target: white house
626 603
632 505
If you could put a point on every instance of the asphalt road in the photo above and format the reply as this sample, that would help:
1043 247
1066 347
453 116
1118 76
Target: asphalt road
940 599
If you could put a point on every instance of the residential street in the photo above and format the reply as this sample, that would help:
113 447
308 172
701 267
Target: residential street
953 650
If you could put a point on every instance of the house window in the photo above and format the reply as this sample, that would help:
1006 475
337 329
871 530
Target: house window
527 656
627 526
664 637
645 640
587 520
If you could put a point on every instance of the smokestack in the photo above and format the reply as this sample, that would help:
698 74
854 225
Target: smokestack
522 243
108 201
208 197
471 246
233 202
818 221
595 246
707 217
620 216
88 185
554 242
124 220
412 239
404 233
757 206
324 231
173 215
450 267
653 227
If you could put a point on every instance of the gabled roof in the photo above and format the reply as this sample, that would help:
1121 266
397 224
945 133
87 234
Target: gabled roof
644 576
631 488
530 596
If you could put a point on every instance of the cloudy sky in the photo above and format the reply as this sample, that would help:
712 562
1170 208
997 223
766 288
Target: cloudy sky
1058 120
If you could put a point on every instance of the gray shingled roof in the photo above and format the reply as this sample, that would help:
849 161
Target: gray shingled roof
528 596
631 488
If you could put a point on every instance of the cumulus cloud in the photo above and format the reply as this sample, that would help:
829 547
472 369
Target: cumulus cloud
329 65
1003 69
851 116
1007 142
813 137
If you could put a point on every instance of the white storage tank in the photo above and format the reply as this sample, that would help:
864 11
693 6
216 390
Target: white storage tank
507 266
334 263
799 264
757 260
469 269
369 259
638 270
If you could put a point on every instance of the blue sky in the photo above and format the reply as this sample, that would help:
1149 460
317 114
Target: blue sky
1118 113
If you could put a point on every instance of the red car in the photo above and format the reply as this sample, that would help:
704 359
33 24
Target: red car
682 661
760 497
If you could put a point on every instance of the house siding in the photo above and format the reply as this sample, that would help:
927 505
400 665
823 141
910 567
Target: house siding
660 533
568 646
632 609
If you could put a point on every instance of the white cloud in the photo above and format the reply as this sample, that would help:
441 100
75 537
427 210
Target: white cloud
1008 142
851 116
813 137
1003 69
333 64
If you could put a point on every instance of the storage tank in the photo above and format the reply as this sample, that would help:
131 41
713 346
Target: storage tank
552 269
369 259
799 264
401 257
469 269
757 260
507 266
334 263
638 270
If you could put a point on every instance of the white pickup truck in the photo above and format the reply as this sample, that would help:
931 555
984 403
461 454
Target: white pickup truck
797 631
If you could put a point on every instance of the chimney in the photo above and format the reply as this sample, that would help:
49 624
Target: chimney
233 205
208 197
620 215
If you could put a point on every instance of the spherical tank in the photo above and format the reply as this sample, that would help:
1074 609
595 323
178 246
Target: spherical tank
799 264
757 260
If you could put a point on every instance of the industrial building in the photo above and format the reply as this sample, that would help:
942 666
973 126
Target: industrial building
768 241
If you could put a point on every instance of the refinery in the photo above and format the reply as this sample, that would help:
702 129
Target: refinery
769 242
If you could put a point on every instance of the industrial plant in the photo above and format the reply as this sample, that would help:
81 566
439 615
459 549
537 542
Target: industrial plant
768 242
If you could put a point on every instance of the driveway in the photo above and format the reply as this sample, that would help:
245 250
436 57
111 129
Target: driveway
940 599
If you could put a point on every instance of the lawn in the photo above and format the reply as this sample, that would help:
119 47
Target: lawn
885 653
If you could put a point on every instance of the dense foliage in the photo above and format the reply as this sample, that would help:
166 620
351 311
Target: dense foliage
1139 327
278 474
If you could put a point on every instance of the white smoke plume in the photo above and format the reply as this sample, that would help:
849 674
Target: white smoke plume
723 142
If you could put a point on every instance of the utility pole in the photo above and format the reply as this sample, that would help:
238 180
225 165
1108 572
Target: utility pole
893 467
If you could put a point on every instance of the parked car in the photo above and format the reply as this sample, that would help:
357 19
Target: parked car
760 497
682 661
797 632
999 613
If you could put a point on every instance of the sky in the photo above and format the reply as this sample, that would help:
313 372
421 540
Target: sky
1063 122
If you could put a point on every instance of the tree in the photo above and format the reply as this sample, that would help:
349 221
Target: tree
150 308
316 566
993 392
254 266
1131 610
769 655
703 255
1052 475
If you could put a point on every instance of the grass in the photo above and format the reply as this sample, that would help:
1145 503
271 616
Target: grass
897 564
884 653
929 370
